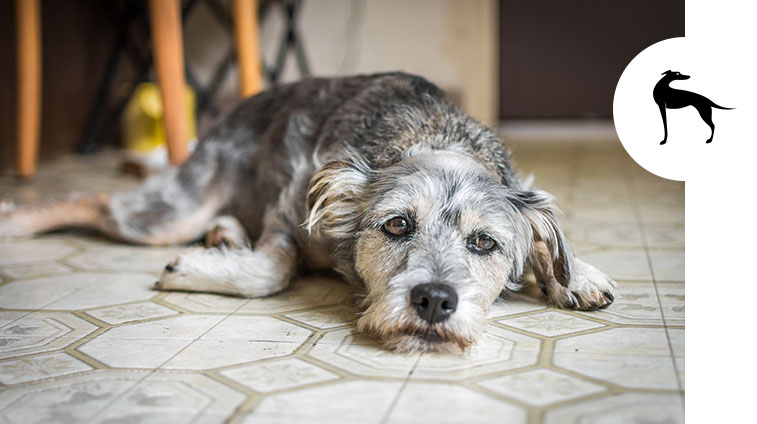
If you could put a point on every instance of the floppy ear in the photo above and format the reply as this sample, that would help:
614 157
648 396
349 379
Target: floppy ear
539 209
334 195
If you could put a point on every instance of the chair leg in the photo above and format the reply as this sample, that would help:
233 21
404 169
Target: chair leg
29 71
246 30
165 26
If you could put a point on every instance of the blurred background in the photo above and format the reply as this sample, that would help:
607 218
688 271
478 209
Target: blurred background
541 68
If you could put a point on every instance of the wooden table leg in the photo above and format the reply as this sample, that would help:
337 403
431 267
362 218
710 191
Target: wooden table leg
168 51
29 68
246 30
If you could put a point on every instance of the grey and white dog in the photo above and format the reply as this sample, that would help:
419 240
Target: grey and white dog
378 177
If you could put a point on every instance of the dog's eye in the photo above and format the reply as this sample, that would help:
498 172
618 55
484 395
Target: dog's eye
397 226
481 244
484 243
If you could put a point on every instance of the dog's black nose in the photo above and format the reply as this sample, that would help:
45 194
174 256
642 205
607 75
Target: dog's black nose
434 302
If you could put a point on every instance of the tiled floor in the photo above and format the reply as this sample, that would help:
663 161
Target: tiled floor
83 338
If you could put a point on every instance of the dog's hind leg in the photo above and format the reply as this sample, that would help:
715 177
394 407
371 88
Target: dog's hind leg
77 211
172 207
226 231
706 114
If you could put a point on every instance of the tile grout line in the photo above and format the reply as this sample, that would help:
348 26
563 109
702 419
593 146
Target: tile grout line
155 369
641 227
396 399
27 312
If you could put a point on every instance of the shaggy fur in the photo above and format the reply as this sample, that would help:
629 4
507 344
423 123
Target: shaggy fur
313 171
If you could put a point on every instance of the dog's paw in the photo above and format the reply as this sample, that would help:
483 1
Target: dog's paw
226 231
590 289
177 274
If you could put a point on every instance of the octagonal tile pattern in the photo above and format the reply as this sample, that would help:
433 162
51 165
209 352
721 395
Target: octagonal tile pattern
621 408
551 323
84 338
541 386
278 375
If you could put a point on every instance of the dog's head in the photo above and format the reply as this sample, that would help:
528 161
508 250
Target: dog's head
434 239
675 75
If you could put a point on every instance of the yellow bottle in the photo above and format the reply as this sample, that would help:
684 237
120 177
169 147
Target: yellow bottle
142 125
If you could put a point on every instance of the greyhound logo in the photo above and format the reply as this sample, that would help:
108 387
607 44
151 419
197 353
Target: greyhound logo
670 98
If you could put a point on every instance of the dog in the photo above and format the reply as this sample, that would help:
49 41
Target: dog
378 177
670 98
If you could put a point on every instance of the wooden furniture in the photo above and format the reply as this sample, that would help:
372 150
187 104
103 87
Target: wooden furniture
245 13
168 51
29 74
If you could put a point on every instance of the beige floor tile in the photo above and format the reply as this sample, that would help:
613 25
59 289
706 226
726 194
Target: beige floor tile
621 264
360 355
131 312
621 408
185 327
31 368
207 354
496 350
541 387
125 258
627 370
668 266
446 403
133 353
304 293
326 318
606 236
68 399
203 302
662 213
40 292
677 341
664 236
78 290
681 369
35 270
515 304
257 328
38 332
108 289
353 401
617 341
672 298
592 216
14 252
278 375
174 398
550 323
240 339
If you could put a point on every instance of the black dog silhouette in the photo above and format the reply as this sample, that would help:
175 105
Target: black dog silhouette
670 98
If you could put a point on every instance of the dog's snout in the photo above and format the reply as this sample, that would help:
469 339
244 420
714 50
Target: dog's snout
434 302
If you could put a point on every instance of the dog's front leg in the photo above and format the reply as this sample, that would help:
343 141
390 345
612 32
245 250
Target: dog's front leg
589 288
266 270
663 114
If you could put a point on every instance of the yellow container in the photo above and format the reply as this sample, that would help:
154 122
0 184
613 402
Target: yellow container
142 126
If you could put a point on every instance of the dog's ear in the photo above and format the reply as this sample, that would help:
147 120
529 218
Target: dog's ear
334 196
541 212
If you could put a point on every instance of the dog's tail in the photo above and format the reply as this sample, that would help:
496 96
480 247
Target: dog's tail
720 107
